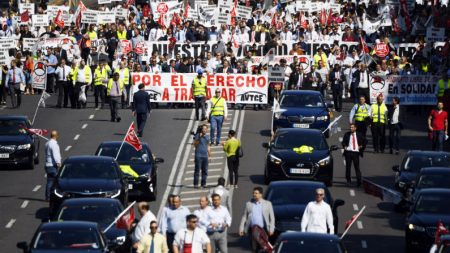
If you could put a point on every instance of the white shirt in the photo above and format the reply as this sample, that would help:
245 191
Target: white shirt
154 69
225 36
155 34
316 218
395 115
81 77
63 72
286 36
197 238
220 216
351 147
143 226
363 80
203 217
243 38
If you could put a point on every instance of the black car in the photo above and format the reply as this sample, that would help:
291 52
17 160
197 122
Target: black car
18 146
284 161
67 236
413 162
289 200
430 207
142 162
88 176
103 211
295 242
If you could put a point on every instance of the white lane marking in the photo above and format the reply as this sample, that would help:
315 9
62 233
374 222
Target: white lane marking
24 204
188 199
175 164
209 170
340 139
364 244
10 223
84 126
68 148
209 164
352 193
355 207
3 107
97 108
359 224
342 151
91 116
76 137
36 188
194 192
212 158
192 178
339 129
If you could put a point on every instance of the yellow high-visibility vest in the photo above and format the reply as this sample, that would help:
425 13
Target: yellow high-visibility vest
126 75
92 35
100 75
362 113
218 106
442 87
383 110
122 35
87 74
110 84
199 87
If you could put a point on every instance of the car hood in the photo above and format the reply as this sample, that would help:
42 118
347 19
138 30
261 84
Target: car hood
289 212
428 220
290 155
88 185
407 176
15 139
114 232
305 111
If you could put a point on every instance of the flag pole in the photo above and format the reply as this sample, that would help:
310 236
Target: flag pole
353 221
332 123
37 107
123 141
119 216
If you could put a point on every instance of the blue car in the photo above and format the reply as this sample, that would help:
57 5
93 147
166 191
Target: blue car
302 109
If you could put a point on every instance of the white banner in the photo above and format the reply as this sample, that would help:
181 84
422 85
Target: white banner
176 88
26 6
4 58
40 20
7 43
104 1
39 75
29 43
106 17
89 17
244 12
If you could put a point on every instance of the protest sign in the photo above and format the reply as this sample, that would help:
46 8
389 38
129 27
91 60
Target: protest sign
106 17
39 20
7 43
124 47
39 75
4 58
176 88
412 90
276 74
89 17
435 34
223 19
201 2
121 13
29 43
244 12
26 7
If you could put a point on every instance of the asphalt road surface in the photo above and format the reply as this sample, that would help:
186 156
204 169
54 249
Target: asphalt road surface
22 204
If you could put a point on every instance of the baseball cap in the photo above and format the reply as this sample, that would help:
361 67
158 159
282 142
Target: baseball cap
200 71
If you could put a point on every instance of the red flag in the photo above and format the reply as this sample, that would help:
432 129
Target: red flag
145 10
81 8
186 9
38 131
273 23
364 47
303 22
132 138
25 16
59 21
176 20
349 222
440 230
233 14
323 17
130 2
126 220
330 17
161 20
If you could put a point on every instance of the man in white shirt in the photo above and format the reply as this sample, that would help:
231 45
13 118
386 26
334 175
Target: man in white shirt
317 217
64 86
395 127
203 213
286 35
219 221
143 226
155 34
243 36
191 239
354 144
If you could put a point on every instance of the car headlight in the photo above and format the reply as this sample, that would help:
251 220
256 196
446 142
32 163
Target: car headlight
322 118
113 194
146 177
275 159
120 240
416 228
24 146
280 116
401 184
325 161
59 193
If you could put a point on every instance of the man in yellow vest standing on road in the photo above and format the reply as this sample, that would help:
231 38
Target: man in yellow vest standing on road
199 93
100 82
443 84
124 74
379 121
360 114
114 90
217 111
82 77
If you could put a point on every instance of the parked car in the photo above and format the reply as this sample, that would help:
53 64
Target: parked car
283 162
67 236
142 162
295 242
18 146
88 176
302 109
289 200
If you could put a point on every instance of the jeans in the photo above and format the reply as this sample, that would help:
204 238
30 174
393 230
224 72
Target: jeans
201 163
51 175
438 140
216 123
394 136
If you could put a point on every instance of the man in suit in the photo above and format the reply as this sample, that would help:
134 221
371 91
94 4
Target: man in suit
361 81
336 79
354 144
297 79
257 212
141 107
313 80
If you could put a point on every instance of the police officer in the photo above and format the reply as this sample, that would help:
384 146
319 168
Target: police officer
114 90
199 93
360 114
379 121
443 84
217 111
100 82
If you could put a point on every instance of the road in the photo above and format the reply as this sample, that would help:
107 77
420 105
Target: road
22 204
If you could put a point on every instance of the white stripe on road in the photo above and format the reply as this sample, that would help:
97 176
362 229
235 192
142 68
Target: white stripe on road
212 158
209 176
352 193
364 244
68 148
36 188
339 129
24 204
195 191
359 224
84 126
209 164
209 170
76 137
10 223
340 139
355 207
91 116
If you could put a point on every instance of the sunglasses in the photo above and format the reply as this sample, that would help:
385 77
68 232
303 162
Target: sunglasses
153 227
319 194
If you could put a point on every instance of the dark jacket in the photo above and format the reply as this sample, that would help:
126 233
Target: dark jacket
293 79
258 37
336 84
359 138
357 76
309 80
141 102
228 71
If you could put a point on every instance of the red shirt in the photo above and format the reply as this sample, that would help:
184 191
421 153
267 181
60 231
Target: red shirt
438 120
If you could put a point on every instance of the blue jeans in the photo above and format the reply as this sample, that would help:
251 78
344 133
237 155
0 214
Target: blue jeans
216 123
51 175
201 163
438 140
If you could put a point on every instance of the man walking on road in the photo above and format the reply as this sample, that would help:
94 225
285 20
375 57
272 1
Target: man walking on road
336 80
360 115
143 226
222 191
63 84
114 90
141 108
153 242
257 212
231 147
100 82
191 239
217 111
395 126
202 155
52 162
379 120
199 94
353 143
82 77
438 125
219 222
203 213
173 219
317 217
14 78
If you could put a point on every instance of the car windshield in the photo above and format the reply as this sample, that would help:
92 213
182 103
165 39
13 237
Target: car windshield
309 246
433 181
433 204
128 154
89 170
291 139
13 127
292 195
415 163
303 100
103 214
73 239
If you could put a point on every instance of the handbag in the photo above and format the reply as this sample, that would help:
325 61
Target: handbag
240 152
209 116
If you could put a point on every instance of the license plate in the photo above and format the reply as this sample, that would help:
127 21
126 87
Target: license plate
130 186
4 155
300 171
301 125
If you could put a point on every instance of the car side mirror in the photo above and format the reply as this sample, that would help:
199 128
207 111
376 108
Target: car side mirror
266 145
159 160
339 202
334 148
396 168
23 246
